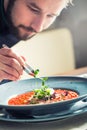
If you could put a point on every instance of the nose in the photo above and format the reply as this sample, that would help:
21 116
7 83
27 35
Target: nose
38 24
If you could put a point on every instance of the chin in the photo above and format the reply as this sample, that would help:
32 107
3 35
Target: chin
20 37
25 37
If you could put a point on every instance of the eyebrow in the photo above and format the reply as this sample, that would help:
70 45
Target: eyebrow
35 6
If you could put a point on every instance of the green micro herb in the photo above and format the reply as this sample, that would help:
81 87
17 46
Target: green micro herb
36 72
44 92
44 80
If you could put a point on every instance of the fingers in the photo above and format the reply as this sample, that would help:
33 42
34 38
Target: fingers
10 53
11 70
10 64
4 75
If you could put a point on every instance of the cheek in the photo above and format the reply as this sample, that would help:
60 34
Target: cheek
20 16
49 23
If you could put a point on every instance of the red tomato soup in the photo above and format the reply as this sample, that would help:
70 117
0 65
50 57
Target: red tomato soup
29 98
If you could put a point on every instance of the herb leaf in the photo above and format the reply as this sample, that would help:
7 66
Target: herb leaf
36 72
44 80
43 93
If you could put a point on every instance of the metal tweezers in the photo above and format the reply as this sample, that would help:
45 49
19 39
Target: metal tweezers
27 68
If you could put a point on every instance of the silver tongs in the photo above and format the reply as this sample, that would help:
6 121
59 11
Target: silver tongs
27 68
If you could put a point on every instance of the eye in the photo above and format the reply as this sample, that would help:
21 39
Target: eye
34 9
51 16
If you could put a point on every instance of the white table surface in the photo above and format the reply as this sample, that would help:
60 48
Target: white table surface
78 122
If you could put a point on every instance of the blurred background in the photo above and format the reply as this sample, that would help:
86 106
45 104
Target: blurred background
75 19
61 48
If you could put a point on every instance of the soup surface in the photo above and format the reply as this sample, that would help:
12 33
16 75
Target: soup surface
43 96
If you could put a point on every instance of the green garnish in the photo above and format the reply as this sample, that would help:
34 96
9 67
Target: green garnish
43 93
44 80
36 72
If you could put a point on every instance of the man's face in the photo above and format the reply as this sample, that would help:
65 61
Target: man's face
28 17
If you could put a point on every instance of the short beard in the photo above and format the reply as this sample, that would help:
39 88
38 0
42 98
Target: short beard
12 29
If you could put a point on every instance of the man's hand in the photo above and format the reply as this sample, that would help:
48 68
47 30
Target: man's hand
10 64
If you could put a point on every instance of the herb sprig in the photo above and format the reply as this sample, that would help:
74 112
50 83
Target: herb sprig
36 72
44 92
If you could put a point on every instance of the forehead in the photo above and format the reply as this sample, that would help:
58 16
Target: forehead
48 5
